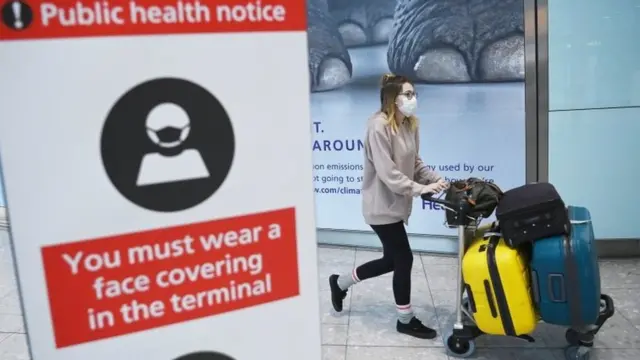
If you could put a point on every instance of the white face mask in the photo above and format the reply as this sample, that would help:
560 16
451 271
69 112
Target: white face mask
407 106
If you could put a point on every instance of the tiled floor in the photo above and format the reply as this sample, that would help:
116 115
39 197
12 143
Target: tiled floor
12 339
365 330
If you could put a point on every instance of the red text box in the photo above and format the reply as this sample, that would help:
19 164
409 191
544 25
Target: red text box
116 285
38 19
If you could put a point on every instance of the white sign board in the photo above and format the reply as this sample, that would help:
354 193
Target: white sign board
157 164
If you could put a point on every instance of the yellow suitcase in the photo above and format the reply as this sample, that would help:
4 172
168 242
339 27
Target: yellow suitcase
498 286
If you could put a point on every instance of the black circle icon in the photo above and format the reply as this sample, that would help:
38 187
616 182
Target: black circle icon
17 15
205 355
167 145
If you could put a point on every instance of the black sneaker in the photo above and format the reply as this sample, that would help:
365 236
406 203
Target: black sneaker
417 329
337 294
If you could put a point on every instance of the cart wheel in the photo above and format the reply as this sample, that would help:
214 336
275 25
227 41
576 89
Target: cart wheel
576 352
603 306
572 337
460 348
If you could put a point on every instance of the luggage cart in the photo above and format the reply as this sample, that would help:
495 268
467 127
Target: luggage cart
460 340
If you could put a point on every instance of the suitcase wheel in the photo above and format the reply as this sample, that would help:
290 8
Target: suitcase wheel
577 352
572 337
459 348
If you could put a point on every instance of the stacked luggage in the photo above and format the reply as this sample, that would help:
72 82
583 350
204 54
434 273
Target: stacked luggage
537 262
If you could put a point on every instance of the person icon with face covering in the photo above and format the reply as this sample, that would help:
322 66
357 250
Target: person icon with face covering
168 127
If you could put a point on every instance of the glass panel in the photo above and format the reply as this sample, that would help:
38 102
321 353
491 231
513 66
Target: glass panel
594 163
594 54
594 96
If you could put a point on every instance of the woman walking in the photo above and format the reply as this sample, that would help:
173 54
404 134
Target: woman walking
394 174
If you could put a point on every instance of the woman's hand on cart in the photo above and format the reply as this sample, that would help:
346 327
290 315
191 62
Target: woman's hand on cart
443 183
433 188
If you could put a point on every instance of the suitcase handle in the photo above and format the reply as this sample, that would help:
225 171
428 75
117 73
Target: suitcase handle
551 279
534 286
492 306
579 222
531 220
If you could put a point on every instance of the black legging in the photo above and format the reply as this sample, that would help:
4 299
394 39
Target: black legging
396 257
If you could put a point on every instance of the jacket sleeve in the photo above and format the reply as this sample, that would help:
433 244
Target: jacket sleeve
422 173
386 169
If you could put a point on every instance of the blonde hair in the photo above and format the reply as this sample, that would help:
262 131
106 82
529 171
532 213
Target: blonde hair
390 88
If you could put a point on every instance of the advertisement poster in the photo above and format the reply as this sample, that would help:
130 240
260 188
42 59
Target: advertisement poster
142 151
467 61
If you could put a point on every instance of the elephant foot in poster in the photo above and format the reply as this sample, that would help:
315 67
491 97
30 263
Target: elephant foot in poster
441 41
363 23
329 63
432 41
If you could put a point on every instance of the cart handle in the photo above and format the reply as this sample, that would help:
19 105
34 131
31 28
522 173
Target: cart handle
437 200
456 208
461 208
452 206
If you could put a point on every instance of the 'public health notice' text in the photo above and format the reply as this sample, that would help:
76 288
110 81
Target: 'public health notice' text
171 12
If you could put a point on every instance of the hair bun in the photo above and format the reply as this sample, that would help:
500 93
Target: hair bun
386 78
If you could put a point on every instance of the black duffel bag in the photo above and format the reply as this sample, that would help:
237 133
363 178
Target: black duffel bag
482 197
532 212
